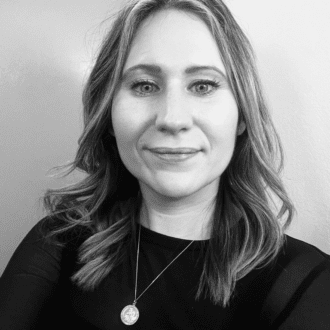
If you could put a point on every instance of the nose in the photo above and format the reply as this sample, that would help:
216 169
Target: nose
174 114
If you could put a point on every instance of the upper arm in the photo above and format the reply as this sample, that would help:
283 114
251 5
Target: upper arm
312 311
28 282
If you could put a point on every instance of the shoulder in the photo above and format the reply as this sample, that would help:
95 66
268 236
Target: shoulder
295 249
299 246
39 256
35 256
300 294
34 275
301 263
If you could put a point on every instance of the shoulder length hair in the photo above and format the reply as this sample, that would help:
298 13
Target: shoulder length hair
252 208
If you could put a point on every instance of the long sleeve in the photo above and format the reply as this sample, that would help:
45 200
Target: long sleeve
300 296
313 309
36 291
28 282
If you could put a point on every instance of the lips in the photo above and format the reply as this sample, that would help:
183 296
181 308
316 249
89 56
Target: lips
174 151
174 155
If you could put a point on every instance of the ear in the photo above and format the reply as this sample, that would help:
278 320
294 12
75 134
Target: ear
241 128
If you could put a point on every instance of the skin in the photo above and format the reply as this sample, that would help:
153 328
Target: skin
175 120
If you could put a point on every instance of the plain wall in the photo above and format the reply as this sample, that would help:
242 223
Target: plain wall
47 48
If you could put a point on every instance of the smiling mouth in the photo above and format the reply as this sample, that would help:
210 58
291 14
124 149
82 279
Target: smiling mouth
174 151
174 155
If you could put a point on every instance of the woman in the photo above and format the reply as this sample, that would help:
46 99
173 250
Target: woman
175 224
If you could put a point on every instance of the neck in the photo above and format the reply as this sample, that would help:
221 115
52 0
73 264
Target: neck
185 218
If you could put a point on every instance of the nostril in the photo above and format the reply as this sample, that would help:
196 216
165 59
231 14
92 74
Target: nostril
172 129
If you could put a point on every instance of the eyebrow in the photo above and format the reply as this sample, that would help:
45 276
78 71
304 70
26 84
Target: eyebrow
148 68
156 69
198 68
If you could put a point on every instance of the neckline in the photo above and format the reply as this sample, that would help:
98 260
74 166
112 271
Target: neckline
169 242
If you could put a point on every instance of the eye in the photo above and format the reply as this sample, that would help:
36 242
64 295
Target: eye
205 87
144 87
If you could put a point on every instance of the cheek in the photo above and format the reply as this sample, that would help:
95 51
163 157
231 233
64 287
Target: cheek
119 117
124 122
129 122
221 123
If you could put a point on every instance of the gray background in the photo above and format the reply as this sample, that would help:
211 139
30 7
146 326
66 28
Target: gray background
47 48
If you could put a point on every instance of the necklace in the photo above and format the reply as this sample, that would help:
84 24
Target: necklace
130 314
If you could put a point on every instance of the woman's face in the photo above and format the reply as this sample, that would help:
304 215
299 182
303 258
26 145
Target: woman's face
174 115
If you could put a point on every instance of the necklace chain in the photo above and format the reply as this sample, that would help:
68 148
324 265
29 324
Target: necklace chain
137 268
130 314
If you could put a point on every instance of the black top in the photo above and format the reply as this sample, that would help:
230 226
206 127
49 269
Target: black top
36 293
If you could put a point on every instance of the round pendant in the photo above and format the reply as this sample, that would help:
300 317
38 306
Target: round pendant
129 315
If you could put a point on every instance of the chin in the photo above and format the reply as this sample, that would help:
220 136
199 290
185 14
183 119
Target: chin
180 190
181 187
175 194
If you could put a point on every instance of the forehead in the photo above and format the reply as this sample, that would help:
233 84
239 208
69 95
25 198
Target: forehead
174 39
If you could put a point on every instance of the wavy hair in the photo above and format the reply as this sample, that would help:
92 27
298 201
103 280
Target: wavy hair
252 208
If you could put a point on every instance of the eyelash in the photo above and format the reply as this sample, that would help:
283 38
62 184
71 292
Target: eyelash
213 83
139 83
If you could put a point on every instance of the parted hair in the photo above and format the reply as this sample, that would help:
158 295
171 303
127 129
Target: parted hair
252 208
